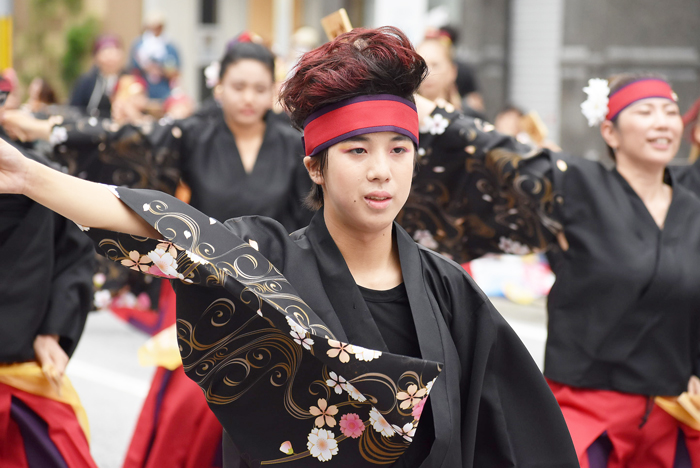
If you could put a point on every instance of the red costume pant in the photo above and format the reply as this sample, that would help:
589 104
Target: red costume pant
38 432
641 434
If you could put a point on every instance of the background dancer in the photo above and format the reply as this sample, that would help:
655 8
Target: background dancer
46 290
623 321
488 397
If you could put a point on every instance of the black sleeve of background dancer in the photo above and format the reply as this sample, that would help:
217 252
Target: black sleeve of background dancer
71 288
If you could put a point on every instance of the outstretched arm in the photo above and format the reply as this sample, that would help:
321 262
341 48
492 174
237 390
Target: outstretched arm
85 203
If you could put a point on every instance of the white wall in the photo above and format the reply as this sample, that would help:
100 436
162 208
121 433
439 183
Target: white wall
535 72
408 15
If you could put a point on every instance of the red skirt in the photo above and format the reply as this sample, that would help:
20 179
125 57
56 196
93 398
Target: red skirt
641 435
38 432
176 428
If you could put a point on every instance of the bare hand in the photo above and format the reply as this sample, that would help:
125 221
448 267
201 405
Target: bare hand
25 127
694 385
52 359
14 168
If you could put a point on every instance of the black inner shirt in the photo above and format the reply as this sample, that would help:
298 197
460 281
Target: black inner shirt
391 312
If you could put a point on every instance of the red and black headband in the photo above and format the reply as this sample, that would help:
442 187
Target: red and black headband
637 90
358 116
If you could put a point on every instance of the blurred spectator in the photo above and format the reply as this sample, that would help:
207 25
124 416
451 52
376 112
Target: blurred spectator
440 85
467 85
41 94
129 100
155 57
508 121
178 106
14 99
93 90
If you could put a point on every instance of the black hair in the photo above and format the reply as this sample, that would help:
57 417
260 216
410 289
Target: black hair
250 51
358 63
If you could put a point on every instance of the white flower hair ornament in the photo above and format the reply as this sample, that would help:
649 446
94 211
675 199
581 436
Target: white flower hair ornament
211 74
595 108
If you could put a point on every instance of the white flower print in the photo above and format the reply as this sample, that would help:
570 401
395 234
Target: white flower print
324 412
513 247
165 263
364 354
595 107
322 444
340 350
301 338
58 135
354 393
380 424
411 396
434 124
196 258
112 188
336 382
407 431
425 238
429 387
102 299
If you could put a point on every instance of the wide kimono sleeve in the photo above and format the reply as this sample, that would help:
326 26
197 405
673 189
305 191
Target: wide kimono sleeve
71 286
509 417
271 370
476 191
137 156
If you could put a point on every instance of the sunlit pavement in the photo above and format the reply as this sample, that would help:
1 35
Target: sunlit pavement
112 385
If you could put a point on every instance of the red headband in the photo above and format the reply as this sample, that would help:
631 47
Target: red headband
358 116
637 90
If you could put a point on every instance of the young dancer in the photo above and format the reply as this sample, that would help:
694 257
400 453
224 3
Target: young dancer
325 344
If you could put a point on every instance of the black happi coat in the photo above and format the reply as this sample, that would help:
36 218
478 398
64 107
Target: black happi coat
624 312
211 166
46 279
490 405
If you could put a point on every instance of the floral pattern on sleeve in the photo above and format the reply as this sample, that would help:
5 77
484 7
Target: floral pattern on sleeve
261 354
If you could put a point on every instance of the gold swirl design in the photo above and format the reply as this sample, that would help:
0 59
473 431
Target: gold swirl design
381 379
381 450
257 355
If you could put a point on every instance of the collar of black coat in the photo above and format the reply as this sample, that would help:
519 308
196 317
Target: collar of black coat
352 319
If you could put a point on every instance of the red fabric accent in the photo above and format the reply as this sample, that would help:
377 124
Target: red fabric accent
467 267
635 91
590 413
64 430
151 321
186 435
358 115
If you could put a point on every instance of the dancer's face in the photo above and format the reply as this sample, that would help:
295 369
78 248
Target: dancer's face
366 180
647 132
246 91
442 72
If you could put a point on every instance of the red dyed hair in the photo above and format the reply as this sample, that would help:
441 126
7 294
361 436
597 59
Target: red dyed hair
358 63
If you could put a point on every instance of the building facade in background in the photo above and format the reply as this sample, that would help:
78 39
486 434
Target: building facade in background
536 54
